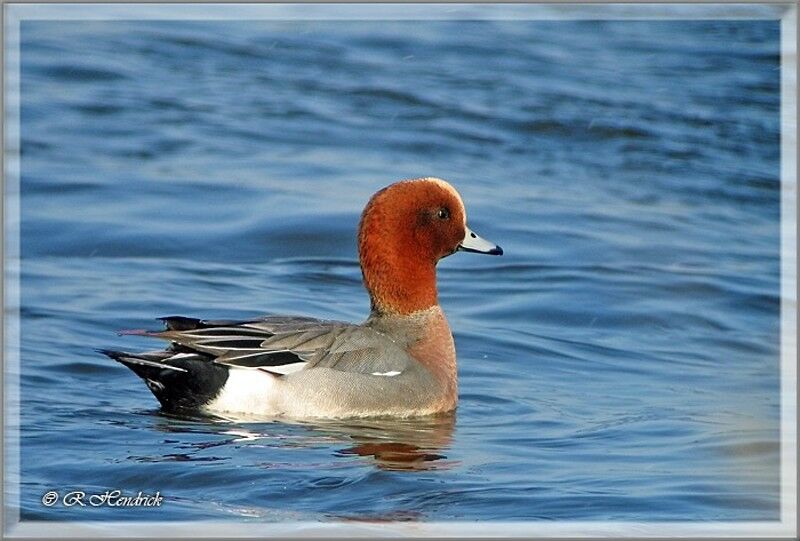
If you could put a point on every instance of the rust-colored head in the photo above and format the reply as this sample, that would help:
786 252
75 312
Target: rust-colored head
405 229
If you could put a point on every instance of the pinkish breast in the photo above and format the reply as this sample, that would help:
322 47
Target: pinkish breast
436 351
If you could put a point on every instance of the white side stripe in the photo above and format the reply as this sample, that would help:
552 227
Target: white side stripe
387 374
284 368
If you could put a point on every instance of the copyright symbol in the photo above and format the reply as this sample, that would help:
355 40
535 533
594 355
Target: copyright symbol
50 498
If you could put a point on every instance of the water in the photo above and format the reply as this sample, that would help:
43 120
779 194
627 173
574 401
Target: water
620 362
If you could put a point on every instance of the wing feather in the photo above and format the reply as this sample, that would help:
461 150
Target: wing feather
282 345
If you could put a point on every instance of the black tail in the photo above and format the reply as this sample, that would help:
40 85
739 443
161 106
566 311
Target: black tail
184 381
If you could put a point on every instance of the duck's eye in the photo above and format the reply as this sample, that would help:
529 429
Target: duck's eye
443 213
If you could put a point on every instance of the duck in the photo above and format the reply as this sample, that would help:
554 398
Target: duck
399 362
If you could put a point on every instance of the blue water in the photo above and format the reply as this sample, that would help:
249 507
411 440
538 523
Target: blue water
620 362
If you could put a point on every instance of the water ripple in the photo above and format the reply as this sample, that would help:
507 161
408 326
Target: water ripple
619 362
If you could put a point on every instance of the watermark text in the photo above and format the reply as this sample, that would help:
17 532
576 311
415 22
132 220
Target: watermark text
108 498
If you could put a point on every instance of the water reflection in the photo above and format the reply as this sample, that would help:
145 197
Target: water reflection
413 444
417 444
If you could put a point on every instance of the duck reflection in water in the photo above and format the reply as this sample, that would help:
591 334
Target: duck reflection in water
413 444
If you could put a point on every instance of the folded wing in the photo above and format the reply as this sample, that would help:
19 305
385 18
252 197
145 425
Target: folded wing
282 345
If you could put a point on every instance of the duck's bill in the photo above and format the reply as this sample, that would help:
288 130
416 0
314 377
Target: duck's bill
473 243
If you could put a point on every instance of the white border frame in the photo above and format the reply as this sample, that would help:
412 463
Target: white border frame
14 14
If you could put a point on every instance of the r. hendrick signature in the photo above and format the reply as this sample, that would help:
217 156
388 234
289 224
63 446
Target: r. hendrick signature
109 498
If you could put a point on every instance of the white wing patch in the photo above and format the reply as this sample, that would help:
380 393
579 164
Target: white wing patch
388 374
284 368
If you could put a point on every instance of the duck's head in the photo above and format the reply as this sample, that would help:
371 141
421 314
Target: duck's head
405 229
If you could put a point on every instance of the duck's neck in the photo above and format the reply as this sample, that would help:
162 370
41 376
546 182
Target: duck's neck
399 287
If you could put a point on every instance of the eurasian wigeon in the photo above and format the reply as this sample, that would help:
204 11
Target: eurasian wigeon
401 361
